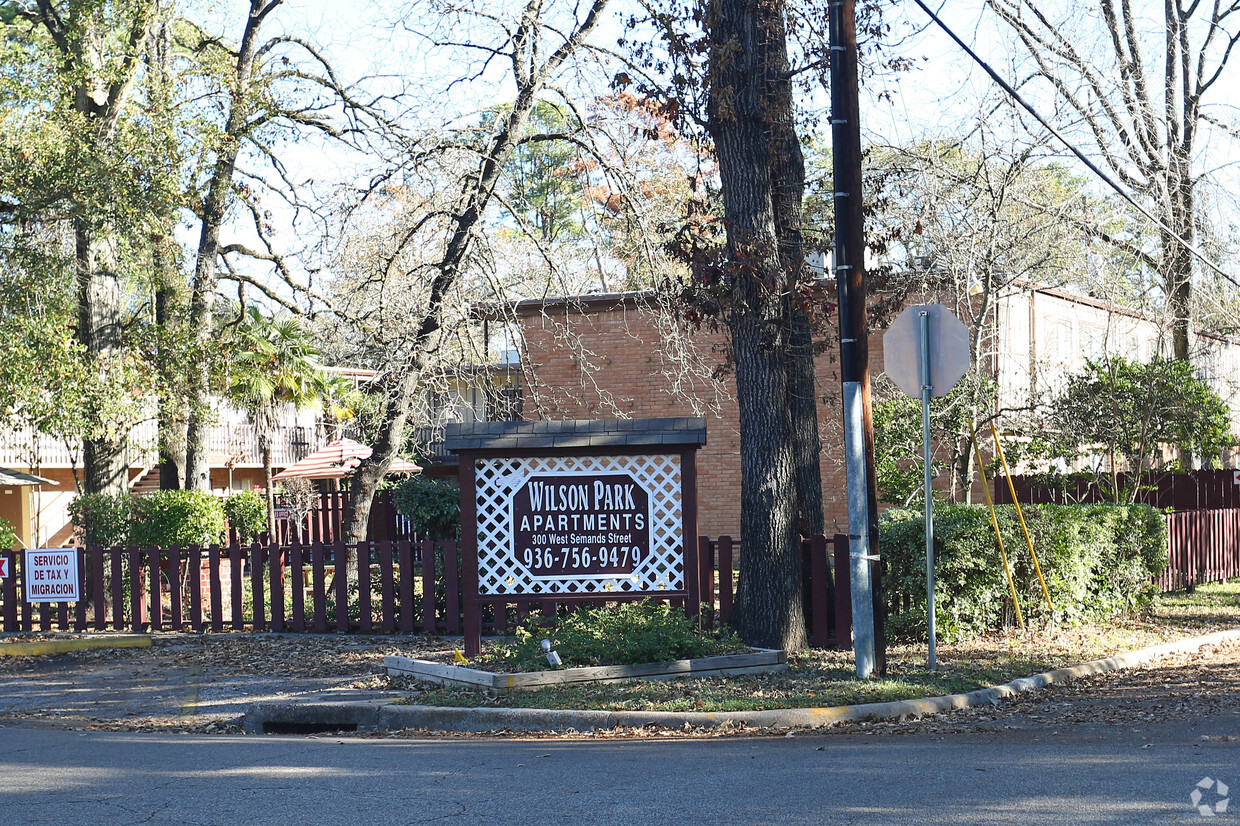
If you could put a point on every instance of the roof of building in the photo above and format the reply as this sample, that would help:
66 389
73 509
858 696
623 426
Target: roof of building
559 435
16 477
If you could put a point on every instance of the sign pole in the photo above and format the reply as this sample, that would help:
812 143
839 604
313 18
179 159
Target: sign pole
927 387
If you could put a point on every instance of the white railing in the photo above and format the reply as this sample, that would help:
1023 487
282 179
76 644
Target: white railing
225 441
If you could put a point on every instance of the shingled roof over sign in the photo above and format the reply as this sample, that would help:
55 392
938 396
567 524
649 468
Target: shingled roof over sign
601 434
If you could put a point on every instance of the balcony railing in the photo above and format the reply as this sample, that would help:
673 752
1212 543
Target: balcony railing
225 441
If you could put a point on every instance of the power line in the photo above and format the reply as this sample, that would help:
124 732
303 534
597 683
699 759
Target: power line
1007 87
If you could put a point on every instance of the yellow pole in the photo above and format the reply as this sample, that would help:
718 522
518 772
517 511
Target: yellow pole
995 524
1021 515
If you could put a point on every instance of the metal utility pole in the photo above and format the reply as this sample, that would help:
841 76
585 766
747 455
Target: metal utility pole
864 570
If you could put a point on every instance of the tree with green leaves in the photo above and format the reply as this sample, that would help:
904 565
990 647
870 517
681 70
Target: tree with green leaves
79 166
1120 415
273 365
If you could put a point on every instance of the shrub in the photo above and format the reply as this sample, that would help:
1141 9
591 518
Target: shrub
625 634
8 537
433 505
1097 560
172 518
247 514
102 520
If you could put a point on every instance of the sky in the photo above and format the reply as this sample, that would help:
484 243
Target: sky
939 97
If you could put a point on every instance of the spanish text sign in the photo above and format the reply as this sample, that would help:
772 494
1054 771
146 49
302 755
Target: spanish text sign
51 575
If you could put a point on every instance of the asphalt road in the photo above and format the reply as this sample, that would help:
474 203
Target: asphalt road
1017 777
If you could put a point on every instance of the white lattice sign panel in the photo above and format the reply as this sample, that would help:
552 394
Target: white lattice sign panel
579 525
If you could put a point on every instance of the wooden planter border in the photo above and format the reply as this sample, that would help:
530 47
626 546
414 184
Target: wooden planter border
759 661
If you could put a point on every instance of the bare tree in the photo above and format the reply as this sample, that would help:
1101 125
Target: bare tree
274 86
970 220
1139 86
435 247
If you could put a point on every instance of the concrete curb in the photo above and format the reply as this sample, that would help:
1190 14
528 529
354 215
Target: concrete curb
46 647
294 716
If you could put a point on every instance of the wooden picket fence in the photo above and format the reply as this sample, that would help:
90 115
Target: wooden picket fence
414 588
827 600
1204 547
1190 491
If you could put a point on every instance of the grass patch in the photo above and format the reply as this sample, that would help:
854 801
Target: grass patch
826 678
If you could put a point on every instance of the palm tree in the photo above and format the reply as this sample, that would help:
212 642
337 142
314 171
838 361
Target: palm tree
273 365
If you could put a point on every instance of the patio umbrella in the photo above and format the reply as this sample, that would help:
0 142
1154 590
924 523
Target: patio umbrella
336 461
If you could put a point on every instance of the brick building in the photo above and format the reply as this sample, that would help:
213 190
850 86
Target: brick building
608 356
603 356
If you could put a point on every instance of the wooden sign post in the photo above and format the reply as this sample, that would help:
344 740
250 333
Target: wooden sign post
573 511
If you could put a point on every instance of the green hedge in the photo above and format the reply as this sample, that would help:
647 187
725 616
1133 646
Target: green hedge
8 537
175 518
166 519
434 505
1098 561
247 514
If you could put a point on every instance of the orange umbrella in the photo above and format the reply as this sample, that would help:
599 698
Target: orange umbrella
336 461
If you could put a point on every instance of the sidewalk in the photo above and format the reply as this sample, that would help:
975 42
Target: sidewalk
231 682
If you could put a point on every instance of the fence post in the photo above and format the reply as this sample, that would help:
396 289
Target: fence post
275 568
363 587
819 595
258 570
9 588
236 589
96 584
404 552
843 594
726 580
137 591
706 568
155 556
216 589
340 582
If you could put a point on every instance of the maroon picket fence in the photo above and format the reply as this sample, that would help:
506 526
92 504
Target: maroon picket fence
1194 490
415 588
1204 547
827 599
323 524
260 588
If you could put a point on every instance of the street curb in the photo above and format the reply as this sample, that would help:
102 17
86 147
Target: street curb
261 717
46 647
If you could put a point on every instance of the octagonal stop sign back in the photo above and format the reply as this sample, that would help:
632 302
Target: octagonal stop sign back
949 350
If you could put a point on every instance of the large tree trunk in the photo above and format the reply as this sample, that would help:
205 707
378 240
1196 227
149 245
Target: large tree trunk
104 459
1177 262
171 414
748 73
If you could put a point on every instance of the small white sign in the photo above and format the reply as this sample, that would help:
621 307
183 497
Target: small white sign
283 513
51 575
1235 477
4 567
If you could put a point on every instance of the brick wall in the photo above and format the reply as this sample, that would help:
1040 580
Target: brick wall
603 359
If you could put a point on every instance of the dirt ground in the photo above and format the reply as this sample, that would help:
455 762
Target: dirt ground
204 683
